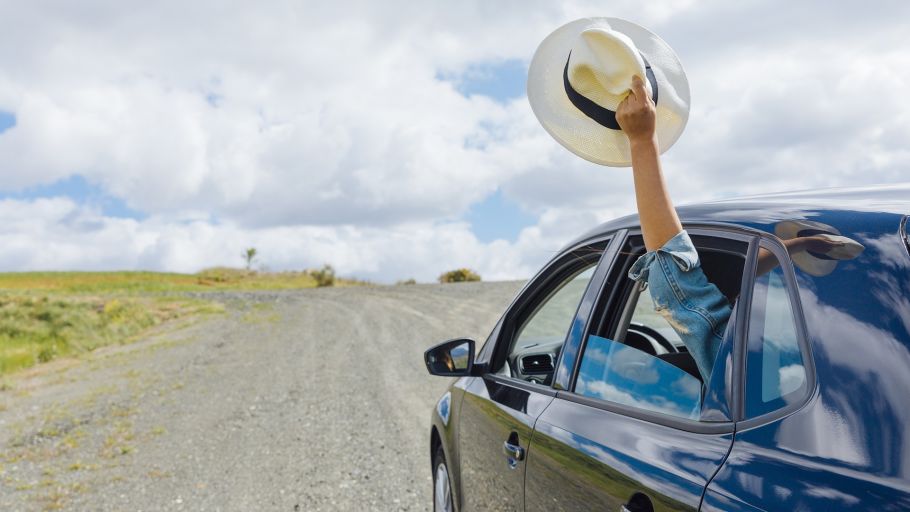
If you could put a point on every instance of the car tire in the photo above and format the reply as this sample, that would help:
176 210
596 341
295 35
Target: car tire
442 483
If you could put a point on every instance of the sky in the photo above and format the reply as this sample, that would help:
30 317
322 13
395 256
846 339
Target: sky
394 139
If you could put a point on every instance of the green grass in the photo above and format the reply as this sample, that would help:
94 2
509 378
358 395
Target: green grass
38 328
219 278
46 315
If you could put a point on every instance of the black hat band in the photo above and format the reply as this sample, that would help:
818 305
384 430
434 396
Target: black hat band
602 116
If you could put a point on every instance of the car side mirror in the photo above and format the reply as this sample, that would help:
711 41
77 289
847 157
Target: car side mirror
452 358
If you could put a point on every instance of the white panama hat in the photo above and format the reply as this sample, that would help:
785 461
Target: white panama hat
582 71
816 264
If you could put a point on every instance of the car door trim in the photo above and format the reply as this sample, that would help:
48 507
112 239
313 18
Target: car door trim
520 384
698 427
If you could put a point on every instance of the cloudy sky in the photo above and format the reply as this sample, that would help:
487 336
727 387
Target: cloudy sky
394 139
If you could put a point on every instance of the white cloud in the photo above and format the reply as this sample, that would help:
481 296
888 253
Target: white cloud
58 233
321 131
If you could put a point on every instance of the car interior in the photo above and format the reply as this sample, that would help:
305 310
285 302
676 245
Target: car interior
533 358
540 337
640 327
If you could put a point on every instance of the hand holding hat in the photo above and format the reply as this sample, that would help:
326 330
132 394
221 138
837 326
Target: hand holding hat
636 114
583 72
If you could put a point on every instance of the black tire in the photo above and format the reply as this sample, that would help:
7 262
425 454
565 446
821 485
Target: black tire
439 458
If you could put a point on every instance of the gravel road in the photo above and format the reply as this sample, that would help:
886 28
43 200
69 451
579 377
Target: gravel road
306 400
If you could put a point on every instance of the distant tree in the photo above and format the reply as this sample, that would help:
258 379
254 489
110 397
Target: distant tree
324 276
248 256
459 275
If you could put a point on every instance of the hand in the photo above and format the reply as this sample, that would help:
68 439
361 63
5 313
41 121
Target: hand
636 113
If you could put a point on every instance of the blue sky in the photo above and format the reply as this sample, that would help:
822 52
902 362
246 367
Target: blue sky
7 120
496 217
501 80
83 193
74 187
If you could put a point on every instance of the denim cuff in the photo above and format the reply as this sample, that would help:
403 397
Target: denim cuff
679 247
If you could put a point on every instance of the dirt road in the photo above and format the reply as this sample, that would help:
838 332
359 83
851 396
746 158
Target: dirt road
309 400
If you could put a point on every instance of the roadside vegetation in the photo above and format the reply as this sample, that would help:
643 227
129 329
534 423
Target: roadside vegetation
218 278
37 328
459 275
48 315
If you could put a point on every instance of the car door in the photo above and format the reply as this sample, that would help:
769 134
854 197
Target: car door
824 408
500 407
634 428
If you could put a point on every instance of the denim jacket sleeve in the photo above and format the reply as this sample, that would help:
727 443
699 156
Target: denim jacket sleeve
692 305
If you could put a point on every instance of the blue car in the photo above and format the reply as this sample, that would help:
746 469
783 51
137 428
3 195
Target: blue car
584 398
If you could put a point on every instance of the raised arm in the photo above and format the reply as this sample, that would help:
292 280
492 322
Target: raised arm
636 117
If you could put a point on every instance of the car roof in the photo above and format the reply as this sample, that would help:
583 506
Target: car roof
880 205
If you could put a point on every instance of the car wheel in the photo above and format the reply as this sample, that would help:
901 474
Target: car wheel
442 486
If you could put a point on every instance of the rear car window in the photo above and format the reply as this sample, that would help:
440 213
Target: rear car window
775 370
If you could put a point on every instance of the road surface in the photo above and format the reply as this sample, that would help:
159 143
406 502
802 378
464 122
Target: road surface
306 400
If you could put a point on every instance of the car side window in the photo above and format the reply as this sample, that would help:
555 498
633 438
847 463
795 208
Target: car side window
540 336
641 361
775 370
616 372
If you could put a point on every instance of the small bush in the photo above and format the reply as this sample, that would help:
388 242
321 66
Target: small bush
407 282
222 276
459 275
324 276
47 353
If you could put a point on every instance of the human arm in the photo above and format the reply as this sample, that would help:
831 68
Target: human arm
636 116
692 306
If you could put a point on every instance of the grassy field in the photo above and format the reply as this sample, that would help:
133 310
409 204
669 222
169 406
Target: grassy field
152 282
46 315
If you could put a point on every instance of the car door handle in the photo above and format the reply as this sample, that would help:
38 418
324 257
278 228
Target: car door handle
513 451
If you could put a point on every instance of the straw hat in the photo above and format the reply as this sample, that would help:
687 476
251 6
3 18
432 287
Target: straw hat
582 71
813 263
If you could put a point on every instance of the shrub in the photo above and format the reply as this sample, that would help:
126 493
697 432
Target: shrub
222 276
459 275
324 276
407 281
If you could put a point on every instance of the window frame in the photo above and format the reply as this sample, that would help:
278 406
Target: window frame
905 232
740 354
532 297
606 304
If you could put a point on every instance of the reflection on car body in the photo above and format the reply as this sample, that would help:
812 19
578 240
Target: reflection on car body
583 398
